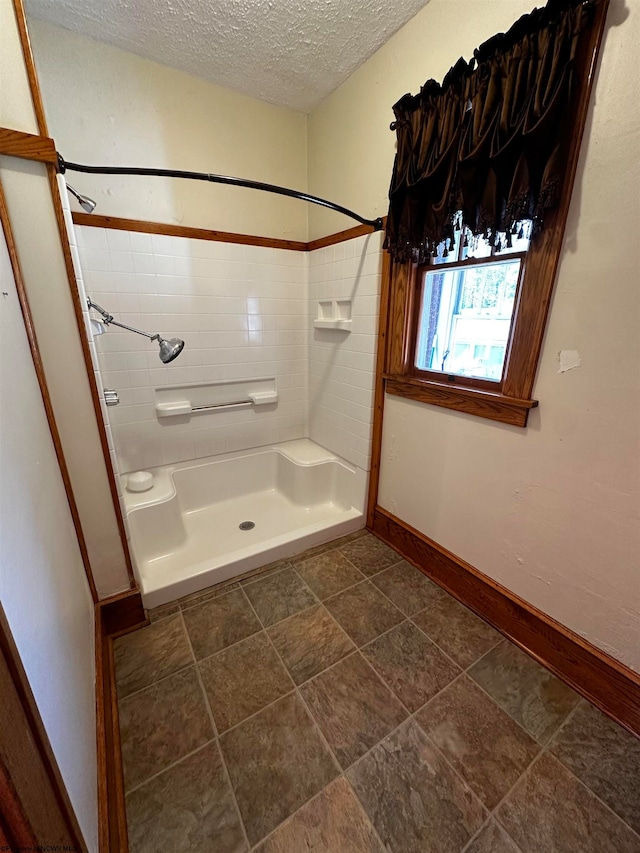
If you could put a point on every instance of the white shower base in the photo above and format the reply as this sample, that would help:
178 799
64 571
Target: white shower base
185 532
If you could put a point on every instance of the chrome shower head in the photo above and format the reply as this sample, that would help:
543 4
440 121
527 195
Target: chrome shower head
86 203
170 349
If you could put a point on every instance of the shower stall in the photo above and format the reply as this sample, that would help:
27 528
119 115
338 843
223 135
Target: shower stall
251 443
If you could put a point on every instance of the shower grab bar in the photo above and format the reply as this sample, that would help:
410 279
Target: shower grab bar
222 406
184 407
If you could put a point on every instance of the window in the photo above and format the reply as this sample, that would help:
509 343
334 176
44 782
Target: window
465 331
498 140
467 299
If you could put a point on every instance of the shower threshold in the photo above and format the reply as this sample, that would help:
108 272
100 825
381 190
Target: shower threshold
191 530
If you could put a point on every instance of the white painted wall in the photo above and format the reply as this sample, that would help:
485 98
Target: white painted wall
108 106
43 588
551 511
342 364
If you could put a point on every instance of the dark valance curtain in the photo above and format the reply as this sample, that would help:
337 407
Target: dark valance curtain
486 149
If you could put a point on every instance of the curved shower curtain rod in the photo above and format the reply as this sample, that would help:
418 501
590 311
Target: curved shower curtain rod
64 165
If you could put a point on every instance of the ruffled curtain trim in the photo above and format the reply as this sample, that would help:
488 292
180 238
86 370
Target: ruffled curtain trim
487 148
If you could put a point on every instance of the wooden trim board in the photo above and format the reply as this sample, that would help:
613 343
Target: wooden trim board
342 236
604 681
96 220
122 613
28 146
378 397
115 616
34 85
146 227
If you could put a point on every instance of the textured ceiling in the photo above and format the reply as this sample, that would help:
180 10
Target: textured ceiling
281 51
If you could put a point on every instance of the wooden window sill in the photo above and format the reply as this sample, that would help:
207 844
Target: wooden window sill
472 401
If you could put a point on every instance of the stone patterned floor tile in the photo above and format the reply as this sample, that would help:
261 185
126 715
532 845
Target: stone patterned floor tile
329 546
242 679
333 822
459 632
278 596
605 757
369 554
161 724
413 798
161 612
277 761
145 656
410 664
492 839
353 708
550 810
425 783
408 588
534 697
364 612
187 809
220 622
329 573
310 642
206 594
482 742
263 572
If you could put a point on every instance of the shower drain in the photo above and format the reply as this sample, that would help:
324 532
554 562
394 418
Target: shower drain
247 525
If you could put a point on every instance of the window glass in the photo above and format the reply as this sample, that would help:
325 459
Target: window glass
465 319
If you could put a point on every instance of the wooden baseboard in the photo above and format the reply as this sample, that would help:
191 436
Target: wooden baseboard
122 613
114 616
604 681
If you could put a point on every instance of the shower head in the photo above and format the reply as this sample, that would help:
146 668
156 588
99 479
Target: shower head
86 203
170 349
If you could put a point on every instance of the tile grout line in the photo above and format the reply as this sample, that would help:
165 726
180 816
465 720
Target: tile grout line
297 692
547 750
356 650
255 713
476 835
169 767
159 681
200 682
363 577
232 790
225 769
500 639
527 770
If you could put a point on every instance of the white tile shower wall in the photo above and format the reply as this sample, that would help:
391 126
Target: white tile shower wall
342 364
242 312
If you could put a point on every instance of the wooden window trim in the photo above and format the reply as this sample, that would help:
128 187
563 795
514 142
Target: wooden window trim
509 401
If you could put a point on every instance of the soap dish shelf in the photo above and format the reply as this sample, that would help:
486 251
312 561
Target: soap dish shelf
344 325
333 314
